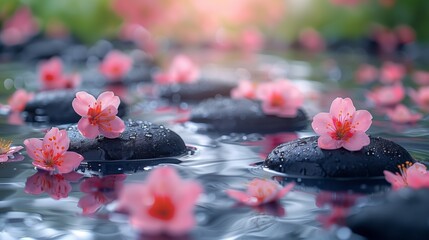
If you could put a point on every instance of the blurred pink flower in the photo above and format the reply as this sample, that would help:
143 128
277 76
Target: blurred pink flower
421 98
98 116
163 204
182 70
405 33
387 95
386 40
343 126
366 73
410 175
116 65
51 74
311 40
251 40
19 99
7 151
336 216
280 98
245 89
72 80
99 191
51 153
260 191
57 186
421 77
391 73
19 28
141 37
401 114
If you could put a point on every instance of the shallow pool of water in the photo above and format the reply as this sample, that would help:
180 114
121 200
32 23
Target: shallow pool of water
218 162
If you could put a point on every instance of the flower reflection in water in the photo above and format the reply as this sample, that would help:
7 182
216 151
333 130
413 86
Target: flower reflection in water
57 186
99 191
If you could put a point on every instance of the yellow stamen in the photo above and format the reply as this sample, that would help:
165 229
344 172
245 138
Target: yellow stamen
4 145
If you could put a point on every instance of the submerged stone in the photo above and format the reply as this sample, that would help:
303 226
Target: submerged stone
303 157
194 91
140 140
404 214
56 107
243 115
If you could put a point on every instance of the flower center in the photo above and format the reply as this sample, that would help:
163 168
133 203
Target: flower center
94 113
343 129
49 77
277 100
403 170
4 146
52 160
162 208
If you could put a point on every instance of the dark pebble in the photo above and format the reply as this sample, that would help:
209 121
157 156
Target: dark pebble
242 115
303 158
56 107
404 214
140 140
193 92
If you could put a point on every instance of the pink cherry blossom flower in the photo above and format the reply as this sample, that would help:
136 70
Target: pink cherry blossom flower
391 73
98 116
387 95
51 153
280 98
163 204
421 98
57 186
51 74
260 191
245 89
7 151
401 114
251 40
343 126
116 65
99 191
366 73
182 70
311 40
421 77
19 99
410 175
19 28
406 34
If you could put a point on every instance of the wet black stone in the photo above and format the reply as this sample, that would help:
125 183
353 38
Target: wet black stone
404 214
140 140
56 107
242 115
302 157
194 92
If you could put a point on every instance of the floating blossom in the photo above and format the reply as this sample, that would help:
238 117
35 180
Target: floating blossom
57 186
116 65
387 96
260 191
51 74
99 191
421 98
343 126
245 89
421 77
391 73
51 153
366 73
98 116
19 99
401 114
280 98
410 175
182 70
163 204
7 151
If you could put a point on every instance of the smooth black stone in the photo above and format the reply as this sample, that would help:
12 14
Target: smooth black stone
193 92
140 140
242 115
56 107
303 157
404 214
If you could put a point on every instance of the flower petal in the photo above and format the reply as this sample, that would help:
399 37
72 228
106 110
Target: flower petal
87 129
326 142
108 99
395 179
321 122
112 129
285 190
341 107
82 103
356 142
33 147
71 160
4 157
242 197
362 120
